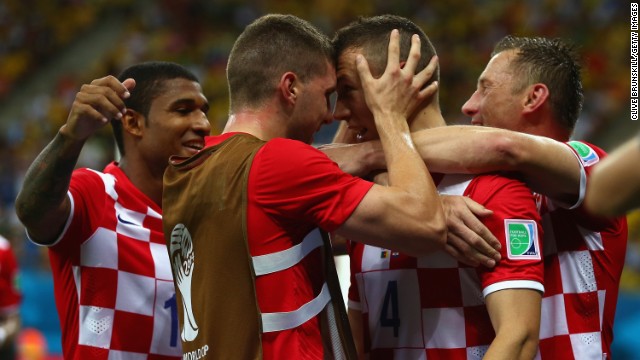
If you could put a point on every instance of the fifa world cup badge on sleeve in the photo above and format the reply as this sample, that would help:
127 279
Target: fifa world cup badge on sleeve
585 153
522 239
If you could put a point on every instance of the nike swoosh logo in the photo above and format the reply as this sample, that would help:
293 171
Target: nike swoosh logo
125 221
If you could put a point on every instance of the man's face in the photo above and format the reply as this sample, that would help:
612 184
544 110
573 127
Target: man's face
314 105
494 103
177 121
351 105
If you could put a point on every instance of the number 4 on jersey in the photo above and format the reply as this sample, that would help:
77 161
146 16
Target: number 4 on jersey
390 304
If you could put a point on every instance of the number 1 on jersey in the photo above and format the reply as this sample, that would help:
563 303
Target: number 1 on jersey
390 304
172 305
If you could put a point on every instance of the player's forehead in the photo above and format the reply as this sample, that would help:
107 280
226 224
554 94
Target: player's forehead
326 80
176 90
346 67
498 69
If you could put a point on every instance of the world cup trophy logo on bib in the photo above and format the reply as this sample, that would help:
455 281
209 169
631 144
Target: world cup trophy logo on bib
182 261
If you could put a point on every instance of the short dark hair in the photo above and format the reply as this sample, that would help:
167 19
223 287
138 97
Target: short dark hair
371 34
270 46
150 77
551 62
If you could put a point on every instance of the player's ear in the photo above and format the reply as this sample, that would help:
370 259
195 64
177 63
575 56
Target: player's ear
133 122
535 96
289 87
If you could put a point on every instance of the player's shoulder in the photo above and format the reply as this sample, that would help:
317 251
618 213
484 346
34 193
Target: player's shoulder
291 151
284 143
90 183
498 180
88 174
502 188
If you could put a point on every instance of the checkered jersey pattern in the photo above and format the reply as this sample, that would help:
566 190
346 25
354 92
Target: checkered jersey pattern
433 307
9 294
113 282
583 256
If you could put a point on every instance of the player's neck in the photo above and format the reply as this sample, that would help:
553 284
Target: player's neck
263 123
144 178
548 127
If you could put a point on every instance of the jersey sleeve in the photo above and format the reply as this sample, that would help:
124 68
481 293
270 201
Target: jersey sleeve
516 224
87 194
293 179
588 155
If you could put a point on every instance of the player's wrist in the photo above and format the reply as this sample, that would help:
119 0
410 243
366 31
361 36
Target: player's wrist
68 137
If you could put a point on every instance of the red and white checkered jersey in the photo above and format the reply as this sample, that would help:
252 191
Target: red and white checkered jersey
112 279
433 307
583 256
292 189
9 293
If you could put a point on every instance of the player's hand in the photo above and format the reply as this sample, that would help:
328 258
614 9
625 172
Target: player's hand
95 105
399 91
469 240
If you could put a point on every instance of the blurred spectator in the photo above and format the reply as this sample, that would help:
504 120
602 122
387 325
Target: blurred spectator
32 345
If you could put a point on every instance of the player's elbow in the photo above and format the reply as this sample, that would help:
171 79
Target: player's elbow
508 149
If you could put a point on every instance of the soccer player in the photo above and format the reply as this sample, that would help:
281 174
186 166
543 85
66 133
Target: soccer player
237 215
432 306
584 253
112 278
533 85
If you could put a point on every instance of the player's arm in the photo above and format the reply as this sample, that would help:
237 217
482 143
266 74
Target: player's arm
355 320
515 316
358 159
42 204
407 215
468 239
614 184
548 166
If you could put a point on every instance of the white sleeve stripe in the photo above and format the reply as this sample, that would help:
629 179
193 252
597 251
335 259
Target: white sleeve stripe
278 321
64 230
278 261
583 183
583 187
513 284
